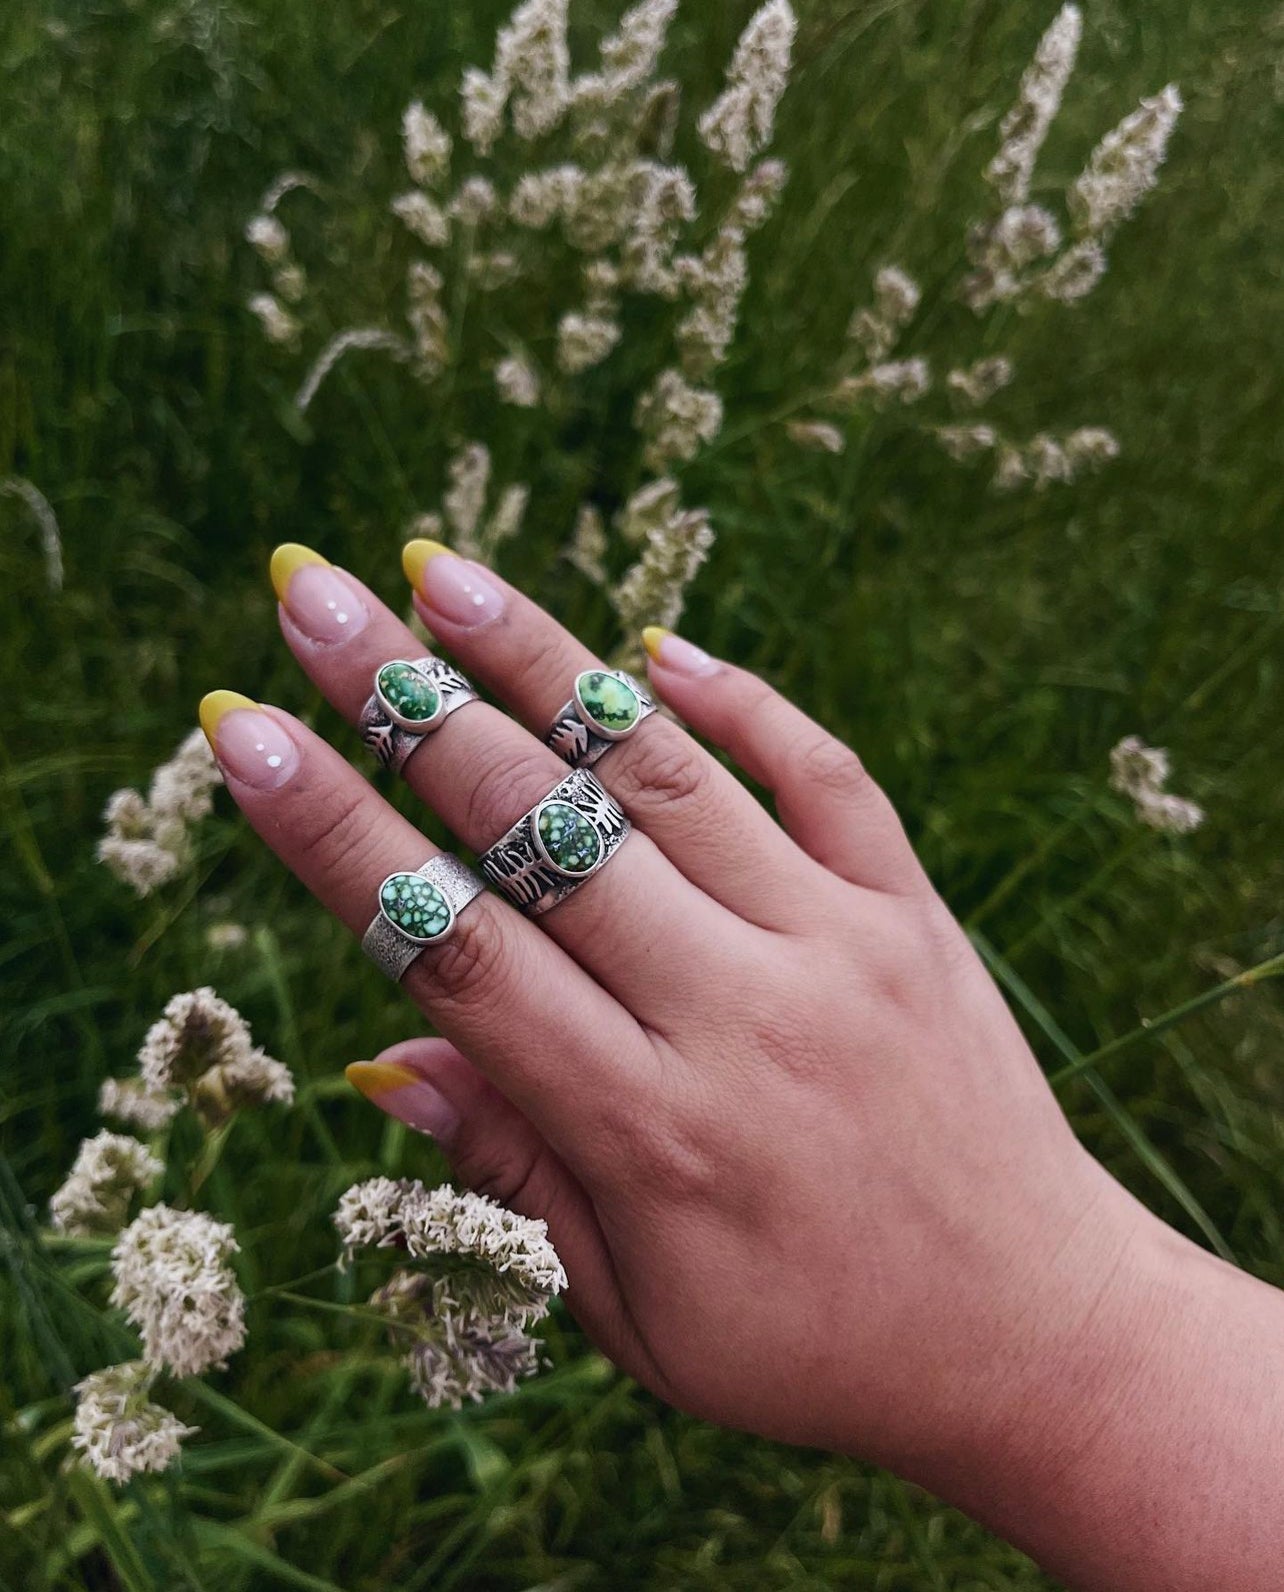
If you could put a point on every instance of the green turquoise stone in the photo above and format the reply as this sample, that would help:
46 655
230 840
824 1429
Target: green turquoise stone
570 842
611 703
416 907
408 693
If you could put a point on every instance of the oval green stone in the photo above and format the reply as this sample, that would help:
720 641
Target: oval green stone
609 701
408 693
570 842
415 906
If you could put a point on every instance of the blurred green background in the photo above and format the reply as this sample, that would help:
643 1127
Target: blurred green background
983 653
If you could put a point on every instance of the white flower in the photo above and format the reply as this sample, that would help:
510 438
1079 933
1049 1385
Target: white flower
966 442
533 59
443 1223
1074 274
1091 446
148 841
540 197
130 1100
588 546
742 119
1025 127
878 328
174 1282
290 281
817 436
483 100
584 341
118 1430
109 1170
630 55
507 519
517 383
1124 167
465 499
902 381
426 145
474 201
277 324
268 238
676 419
675 543
978 383
427 317
422 216
203 1046
1141 772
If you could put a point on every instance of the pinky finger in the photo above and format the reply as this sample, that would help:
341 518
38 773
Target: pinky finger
827 802
494 1150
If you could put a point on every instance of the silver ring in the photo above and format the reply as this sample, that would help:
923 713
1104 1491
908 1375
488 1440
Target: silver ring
564 840
606 706
417 910
410 701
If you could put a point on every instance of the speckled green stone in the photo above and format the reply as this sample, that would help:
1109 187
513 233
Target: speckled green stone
416 907
570 842
610 702
408 693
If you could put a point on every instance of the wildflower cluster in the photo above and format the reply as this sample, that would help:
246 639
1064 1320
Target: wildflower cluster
484 1277
1141 773
599 214
1021 254
148 839
171 1271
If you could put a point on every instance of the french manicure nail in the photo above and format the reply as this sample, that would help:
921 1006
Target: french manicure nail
325 606
407 1095
672 652
453 588
249 744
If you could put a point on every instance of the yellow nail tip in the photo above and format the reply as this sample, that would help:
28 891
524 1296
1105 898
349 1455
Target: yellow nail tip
653 638
375 1078
417 555
217 705
288 558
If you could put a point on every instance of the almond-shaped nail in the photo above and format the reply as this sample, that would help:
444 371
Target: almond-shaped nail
249 744
452 588
672 652
407 1095
321 601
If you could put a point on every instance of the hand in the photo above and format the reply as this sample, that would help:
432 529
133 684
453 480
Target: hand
800 1164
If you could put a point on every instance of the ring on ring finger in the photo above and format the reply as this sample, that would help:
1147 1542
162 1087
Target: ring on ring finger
558 845
418 909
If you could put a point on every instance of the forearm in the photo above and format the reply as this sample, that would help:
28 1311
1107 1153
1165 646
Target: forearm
1148 1455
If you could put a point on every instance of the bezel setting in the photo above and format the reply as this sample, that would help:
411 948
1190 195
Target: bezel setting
401 720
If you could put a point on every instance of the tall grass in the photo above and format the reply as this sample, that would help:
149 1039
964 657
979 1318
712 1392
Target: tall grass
984 653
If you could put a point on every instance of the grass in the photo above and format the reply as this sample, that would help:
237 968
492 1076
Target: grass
983 653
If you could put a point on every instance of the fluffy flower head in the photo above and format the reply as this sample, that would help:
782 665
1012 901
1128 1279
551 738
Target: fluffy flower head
117 1430
174 1282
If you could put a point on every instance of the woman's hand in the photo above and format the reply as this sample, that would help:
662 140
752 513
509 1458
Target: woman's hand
802 1168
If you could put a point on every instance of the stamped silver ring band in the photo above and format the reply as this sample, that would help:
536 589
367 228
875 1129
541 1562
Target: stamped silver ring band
410 700
607 706
563 840
417 910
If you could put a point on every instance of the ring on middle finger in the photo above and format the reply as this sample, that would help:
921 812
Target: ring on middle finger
410 701
606 706
557 846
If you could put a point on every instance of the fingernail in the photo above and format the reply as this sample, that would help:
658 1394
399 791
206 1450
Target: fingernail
672 652
453 588
324 606
407 1095
249 744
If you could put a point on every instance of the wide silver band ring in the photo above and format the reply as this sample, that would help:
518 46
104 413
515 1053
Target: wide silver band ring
411 699
418 909
563 841
606 706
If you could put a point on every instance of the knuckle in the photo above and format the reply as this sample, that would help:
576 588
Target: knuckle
668 769
499 794
335 830
544 658
466 969
509 1173
829 766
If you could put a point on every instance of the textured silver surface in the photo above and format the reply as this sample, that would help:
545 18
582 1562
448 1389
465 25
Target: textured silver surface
516 865
388 741
391 950
576 743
